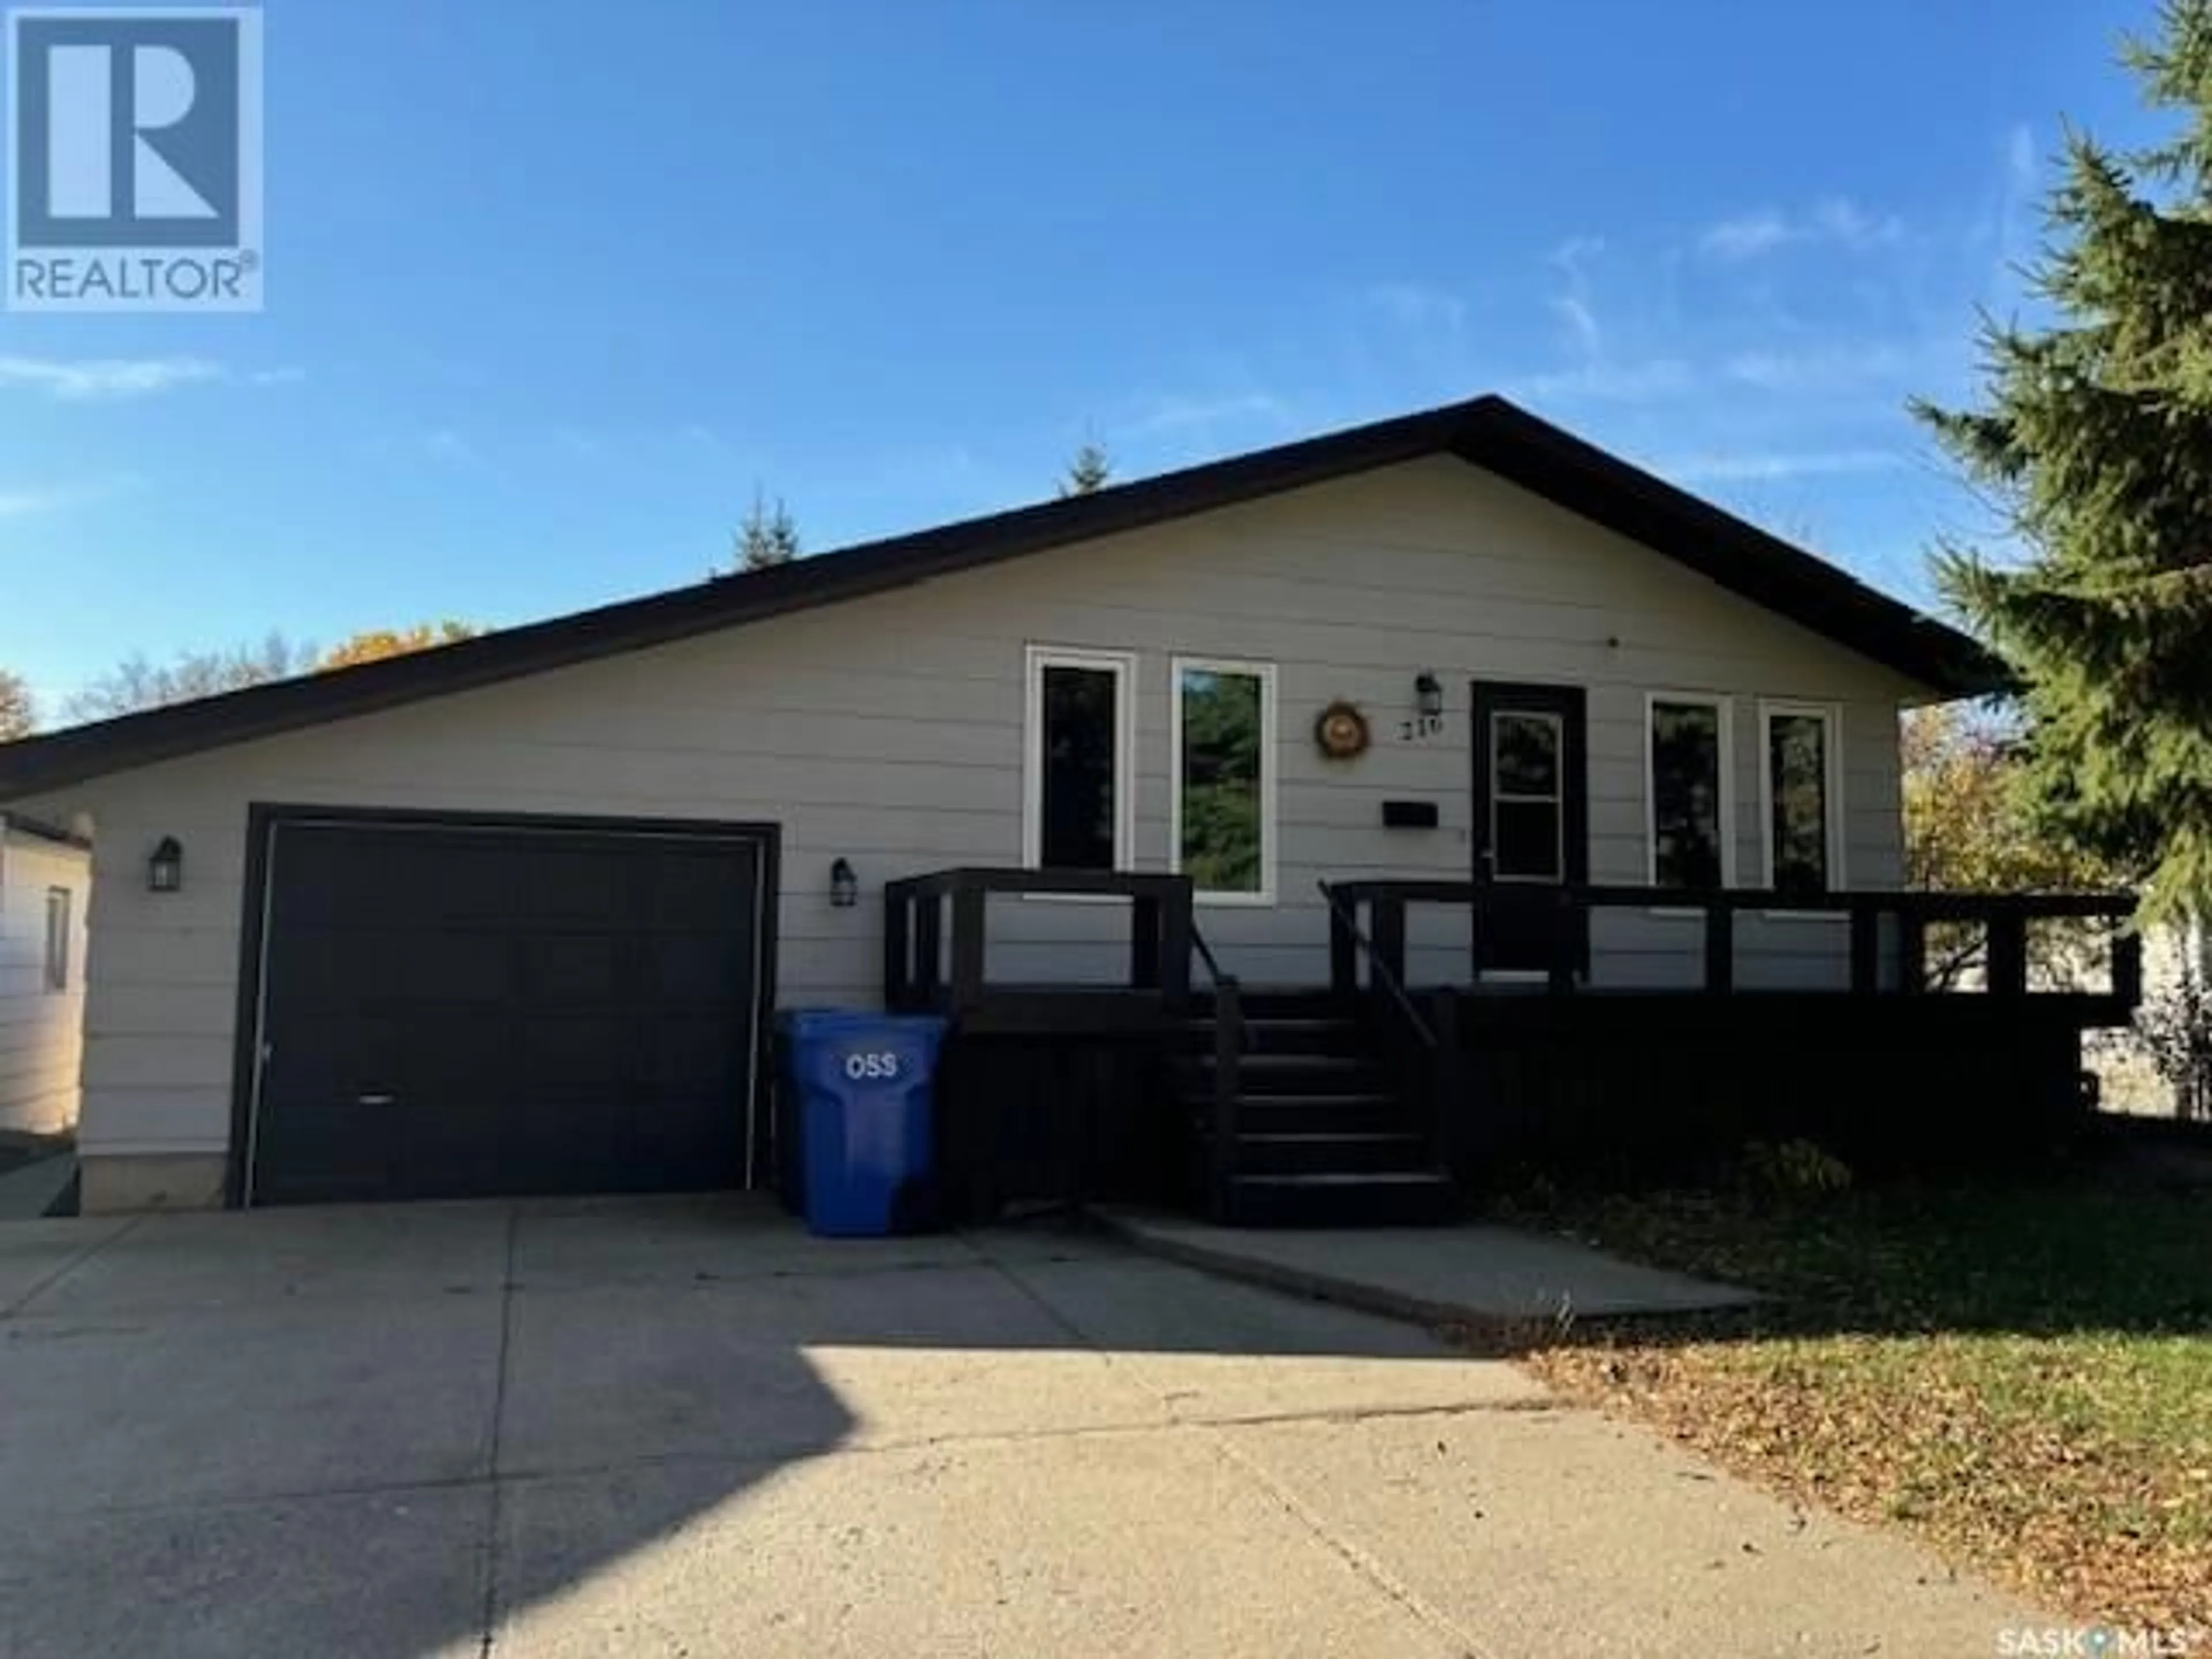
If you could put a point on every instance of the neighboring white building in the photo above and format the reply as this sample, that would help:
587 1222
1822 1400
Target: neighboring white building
46 883
512 912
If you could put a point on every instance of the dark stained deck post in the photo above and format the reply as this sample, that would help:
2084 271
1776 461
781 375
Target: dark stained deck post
1175 927
1912 951
969 899
2128 966
898 941
928 946
1866 949
1720 948
2008 953
1145 942
1389 910
1343 950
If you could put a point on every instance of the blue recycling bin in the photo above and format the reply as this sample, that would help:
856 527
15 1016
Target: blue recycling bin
861 1120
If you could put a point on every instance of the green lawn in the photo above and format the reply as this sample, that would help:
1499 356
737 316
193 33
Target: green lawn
2022 1374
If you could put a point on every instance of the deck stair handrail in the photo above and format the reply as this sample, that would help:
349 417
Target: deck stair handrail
1229 1045
1380 971
1440 1080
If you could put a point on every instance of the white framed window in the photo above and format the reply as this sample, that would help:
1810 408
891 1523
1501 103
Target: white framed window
1222 778
1689 790
1802 783
1079 804
59 904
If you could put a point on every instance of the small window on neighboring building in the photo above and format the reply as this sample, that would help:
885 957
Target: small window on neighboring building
1689 773
1076 810
57 938
1225 778
1803 815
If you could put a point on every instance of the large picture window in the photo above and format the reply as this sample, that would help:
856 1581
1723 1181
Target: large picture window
1225 778
1692 817
1804 813
1076 807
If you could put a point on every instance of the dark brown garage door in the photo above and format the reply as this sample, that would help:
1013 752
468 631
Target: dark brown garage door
465 1009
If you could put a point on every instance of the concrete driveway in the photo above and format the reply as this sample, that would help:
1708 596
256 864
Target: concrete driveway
685 1427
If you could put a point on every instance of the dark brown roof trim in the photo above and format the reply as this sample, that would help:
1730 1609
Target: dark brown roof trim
1489 432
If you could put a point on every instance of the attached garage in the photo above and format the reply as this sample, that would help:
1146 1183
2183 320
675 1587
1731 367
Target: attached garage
453 1006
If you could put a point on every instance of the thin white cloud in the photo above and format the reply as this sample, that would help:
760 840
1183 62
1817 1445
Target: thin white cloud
106 380
1416 304
1181 414
1820 369
24 502
1652 380
1756 467
1746 237
1574 305
119 379
1834 221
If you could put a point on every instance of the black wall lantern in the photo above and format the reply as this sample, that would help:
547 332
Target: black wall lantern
1428 697
844 885
165 870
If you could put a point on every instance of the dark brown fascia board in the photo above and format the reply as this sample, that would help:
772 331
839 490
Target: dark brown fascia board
1488 432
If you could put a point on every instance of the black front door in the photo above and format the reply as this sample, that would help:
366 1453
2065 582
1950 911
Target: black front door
1531 823
474 1009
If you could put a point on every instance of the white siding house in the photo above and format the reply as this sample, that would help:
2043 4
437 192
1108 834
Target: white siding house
907 725
45 880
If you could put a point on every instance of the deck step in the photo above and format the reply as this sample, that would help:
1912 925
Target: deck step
1405 1198
1291 1074
1300 1035
1333 1151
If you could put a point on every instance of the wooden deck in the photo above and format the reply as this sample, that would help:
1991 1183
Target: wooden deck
1369 1100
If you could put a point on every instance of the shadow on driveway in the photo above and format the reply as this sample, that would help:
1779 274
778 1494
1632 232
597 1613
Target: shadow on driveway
456 1428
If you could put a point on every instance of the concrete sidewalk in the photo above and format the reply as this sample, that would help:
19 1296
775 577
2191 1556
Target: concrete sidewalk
1435 1275
685 1427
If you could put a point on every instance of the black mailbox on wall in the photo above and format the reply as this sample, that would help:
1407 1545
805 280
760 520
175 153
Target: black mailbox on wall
1409 815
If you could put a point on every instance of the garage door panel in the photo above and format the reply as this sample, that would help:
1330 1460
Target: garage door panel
573 970
456 1012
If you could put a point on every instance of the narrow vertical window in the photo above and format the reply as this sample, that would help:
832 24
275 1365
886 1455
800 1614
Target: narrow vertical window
1528 797
1802 819
1077 809
1689 771
1225 778
57 938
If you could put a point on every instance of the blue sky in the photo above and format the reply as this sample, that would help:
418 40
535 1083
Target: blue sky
553 288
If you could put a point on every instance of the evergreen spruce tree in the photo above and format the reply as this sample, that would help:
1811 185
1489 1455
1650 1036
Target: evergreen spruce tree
2095 440
1088 471
768 537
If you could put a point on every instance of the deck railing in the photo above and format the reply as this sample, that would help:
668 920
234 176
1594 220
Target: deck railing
2005 918
936 949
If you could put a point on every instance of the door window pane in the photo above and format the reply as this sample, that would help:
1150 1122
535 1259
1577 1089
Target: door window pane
1527 810
1526 749
1687 823
1223 724
1797 800
1079 809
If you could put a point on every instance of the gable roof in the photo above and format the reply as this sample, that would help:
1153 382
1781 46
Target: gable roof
1488 432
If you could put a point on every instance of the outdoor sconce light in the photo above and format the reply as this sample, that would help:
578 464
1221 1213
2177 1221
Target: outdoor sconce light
165 871
1428 697
844 885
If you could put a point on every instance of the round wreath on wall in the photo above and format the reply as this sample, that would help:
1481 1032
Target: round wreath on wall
1340 732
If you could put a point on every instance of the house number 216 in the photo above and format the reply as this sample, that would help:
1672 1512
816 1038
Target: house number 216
1421 725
